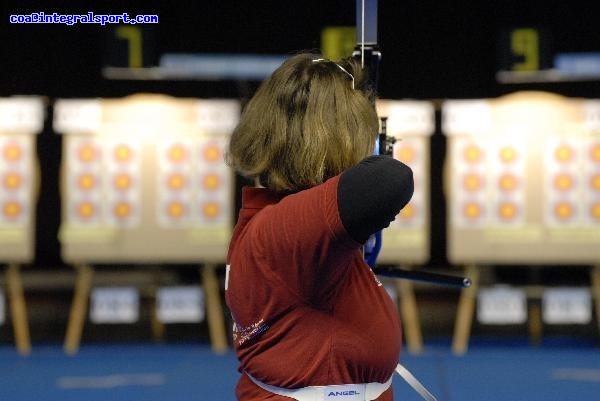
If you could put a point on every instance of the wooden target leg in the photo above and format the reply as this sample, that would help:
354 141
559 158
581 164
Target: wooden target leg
410 316
214 309
535 324
83 285
18 309
464 315
158 327
596 292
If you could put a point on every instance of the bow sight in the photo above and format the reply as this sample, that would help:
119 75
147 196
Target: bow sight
385 143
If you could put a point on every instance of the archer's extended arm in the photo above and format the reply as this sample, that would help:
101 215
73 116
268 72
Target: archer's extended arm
366 208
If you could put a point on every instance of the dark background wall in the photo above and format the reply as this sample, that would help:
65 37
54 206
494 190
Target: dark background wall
432 49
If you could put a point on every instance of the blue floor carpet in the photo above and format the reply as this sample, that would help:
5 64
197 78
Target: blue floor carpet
192 372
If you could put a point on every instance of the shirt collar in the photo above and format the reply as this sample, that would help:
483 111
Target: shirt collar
258 198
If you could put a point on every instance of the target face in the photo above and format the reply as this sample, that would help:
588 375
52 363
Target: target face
199 180
102 173
488 181
411 123
16 178
524 179
21 120
563 165
124 174
146 181
411 151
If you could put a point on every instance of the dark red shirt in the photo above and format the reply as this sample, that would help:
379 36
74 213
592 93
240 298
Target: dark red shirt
307 309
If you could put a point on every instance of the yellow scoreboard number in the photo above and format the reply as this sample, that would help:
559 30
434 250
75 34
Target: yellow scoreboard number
129 46
524 49
525 44
133 36
337 42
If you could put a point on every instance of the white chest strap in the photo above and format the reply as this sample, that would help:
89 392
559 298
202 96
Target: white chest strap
346 392
414 383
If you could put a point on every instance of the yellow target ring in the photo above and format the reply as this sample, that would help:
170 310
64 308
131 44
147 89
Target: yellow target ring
122 182
564 210
86 210
563 182
176 181
473 154
563 154
123 153
175 210
211 210
12 209
87 153
408 212
507 211
122 210
177 153
12 152
472 182
472 210
212 153
12 181
211 181
508 182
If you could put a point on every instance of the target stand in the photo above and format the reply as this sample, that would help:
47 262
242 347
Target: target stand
20 119
405 242
523 182
143 181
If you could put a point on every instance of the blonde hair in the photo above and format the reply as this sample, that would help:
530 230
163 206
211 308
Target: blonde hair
305 124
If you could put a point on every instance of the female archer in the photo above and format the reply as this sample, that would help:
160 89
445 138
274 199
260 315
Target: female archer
311 320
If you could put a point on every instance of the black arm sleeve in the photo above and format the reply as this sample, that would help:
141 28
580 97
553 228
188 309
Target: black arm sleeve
371 194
